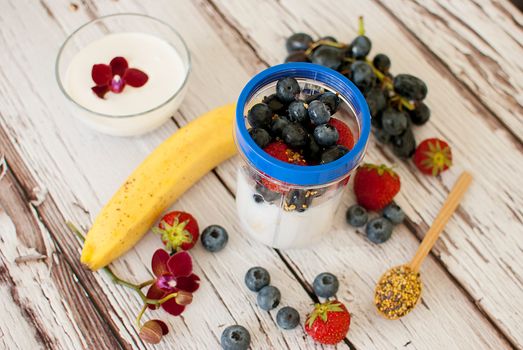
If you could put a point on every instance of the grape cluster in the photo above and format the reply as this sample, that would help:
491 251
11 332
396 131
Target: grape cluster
395 102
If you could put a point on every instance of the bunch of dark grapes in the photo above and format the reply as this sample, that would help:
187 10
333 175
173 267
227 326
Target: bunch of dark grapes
395 102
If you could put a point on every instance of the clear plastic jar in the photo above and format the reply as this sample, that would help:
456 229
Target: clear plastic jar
285 205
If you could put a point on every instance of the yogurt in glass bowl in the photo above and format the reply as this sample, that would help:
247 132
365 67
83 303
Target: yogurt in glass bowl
148 45
285 205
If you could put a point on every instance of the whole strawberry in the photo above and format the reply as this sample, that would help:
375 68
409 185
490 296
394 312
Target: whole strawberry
178 231
345 135
375 186
433 156
328 323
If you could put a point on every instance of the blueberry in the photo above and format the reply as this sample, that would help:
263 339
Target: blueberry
333 153
362 75
394 122
325 285
260 116
326 135
381 62
278 124
379 230
266 194
382 136
297 111
331 100
287 318
268 298
404 145
420 114
312 150
275 104
260 136
360 47
394 213
257 198
298 42
298 56
287 89
356 215
318 112
298 200
214 238
327 56
410 87
257 278
295 135
235 338
375 100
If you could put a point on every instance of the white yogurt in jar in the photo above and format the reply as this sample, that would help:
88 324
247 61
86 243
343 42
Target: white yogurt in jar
155 57
275 227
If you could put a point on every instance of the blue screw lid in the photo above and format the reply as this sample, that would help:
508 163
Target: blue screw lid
291 173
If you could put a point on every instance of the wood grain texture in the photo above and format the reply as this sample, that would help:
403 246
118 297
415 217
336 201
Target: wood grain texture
480 42
484 239
80 169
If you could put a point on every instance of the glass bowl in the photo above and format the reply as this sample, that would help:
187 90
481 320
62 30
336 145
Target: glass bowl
147 44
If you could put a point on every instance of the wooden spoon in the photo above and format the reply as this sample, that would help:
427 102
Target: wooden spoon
399 289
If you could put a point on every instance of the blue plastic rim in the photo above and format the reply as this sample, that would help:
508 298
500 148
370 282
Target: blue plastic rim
296 174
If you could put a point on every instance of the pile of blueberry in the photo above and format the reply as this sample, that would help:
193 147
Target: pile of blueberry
395 102
378 229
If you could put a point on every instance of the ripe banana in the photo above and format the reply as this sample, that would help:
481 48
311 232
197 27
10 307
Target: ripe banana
163 177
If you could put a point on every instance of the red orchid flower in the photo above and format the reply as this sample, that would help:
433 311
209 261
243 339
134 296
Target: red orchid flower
173 274
114 76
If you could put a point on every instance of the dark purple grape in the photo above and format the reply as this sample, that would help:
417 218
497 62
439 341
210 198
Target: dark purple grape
298 56
404 145
360 47
298 42
382 136
327 56
410 87
381 62
362 75
420 114
394 122
375 100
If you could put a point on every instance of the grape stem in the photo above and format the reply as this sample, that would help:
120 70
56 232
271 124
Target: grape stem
361 27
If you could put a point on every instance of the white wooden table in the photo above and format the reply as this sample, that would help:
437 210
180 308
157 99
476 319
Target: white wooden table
470 54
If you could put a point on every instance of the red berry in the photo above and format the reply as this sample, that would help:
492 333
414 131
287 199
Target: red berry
375 186
328 323
433 156
346 139
281 151
179 230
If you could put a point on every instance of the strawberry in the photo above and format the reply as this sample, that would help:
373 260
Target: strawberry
178 230
346 139
433 156
281 151
375 186
328 323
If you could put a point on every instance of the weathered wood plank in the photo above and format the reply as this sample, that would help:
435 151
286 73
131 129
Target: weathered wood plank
472 251
45 307
74 163
480 41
